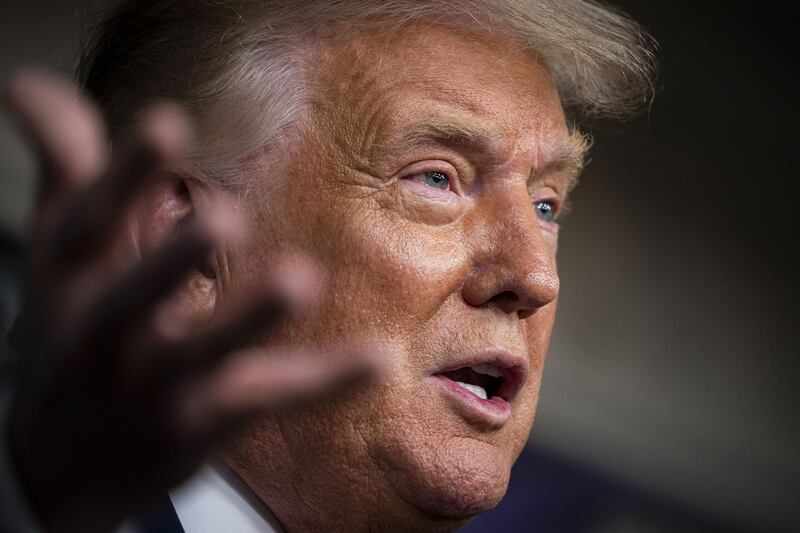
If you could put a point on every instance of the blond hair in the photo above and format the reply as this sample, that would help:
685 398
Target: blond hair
240 66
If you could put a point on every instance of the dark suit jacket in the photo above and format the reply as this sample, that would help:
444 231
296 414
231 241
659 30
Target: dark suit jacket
162 519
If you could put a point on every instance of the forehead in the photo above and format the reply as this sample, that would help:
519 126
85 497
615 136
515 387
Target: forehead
381 80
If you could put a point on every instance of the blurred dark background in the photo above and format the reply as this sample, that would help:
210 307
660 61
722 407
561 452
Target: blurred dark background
671 391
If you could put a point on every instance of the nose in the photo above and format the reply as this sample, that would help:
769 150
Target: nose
515 267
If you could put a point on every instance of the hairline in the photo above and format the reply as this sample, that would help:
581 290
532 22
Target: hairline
268 80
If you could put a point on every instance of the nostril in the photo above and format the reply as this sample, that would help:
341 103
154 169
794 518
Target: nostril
509 302
525 313
504 298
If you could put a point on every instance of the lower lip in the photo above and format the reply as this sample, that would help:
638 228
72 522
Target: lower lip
492 413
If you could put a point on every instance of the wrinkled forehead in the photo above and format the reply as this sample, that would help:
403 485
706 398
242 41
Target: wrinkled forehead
386 77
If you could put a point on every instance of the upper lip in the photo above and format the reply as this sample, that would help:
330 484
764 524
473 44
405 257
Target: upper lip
514 367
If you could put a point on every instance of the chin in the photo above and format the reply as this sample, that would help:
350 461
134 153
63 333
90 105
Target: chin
453 481
443 468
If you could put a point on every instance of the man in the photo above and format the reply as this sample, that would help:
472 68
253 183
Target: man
368 182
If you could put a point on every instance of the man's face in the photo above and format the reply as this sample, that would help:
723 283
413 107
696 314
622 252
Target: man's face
421 186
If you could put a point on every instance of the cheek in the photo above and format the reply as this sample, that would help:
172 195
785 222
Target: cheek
538 328
551 240
387 272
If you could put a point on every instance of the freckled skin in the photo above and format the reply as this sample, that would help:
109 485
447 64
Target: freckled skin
429 275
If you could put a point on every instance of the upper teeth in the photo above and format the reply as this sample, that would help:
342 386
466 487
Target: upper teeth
488 370
477 390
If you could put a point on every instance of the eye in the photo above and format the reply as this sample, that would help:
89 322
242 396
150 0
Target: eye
545 211
434 179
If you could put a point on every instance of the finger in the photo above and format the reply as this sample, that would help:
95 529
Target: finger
158 142
252 383
129 302
292 286
65 129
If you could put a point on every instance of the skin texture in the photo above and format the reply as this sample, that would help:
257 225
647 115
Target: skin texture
165 312
431 276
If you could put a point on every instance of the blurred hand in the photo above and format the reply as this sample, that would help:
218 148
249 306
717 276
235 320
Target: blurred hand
117 400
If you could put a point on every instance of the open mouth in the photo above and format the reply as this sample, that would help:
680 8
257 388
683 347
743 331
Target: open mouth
483 380
483 386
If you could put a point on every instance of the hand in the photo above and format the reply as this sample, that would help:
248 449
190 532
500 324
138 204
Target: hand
117 399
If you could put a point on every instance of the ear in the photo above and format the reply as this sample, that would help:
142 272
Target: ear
166 207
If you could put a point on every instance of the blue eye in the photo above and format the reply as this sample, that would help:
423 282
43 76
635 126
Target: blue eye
437 180
545 211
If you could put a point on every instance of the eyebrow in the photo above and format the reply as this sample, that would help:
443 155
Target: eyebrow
452 133
569 157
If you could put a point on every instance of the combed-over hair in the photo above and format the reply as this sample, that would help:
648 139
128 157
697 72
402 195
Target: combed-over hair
240 67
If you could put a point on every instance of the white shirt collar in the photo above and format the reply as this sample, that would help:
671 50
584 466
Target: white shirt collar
216 499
